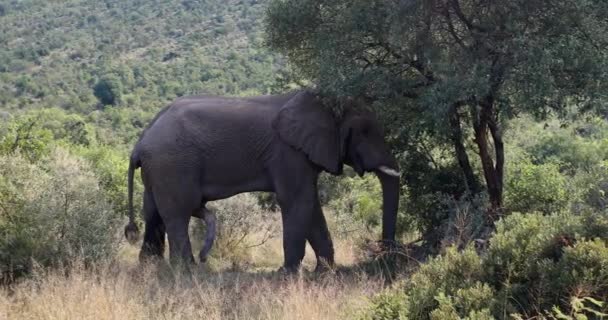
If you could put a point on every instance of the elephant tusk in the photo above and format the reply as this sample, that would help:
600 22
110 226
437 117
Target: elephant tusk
389 171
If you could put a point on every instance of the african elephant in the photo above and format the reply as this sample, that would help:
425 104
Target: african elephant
205 148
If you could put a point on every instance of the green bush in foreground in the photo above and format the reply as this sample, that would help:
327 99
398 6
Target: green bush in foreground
536 265
50 212
531 187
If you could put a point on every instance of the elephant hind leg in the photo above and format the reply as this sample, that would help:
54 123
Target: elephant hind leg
176 208
180 249
154 236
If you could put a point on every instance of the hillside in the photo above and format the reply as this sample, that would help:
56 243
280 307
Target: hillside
88 55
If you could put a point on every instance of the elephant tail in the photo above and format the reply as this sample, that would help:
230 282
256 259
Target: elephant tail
131 229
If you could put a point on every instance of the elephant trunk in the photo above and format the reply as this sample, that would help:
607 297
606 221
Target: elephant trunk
389 180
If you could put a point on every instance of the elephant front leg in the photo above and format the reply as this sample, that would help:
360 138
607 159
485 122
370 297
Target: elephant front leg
294 240
320 240
297 219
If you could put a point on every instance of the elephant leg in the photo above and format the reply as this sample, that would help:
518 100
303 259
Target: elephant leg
176 208
180 249
154 236
320 240
294 240
297 218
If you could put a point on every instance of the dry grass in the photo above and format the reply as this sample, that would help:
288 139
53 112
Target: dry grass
124 290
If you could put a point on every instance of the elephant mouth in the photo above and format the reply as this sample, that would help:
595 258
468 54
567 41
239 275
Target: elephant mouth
389 171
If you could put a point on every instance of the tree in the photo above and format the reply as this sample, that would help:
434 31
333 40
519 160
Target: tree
454 69
108 90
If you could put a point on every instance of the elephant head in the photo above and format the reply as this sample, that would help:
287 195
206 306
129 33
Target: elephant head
355 139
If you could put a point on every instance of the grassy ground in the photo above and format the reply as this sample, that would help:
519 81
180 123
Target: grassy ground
125 290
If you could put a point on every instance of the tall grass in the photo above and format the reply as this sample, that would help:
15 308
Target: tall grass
125 290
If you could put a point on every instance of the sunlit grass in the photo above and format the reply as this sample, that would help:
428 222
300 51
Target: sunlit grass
123 289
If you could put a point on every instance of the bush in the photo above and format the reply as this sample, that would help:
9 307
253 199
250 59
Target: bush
571 150
535 265
25 134
51 213
358 204
591 187
530 187
111 166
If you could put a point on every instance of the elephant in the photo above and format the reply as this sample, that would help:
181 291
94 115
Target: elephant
205 148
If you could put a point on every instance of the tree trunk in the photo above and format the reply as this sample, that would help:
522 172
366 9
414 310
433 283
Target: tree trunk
483 121
461 152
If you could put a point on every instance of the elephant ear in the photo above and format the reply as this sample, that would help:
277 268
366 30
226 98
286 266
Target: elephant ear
306 125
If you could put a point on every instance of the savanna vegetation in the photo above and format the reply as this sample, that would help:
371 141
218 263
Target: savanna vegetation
496 111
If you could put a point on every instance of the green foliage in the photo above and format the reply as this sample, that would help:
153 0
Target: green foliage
356 205
25 135
592 187
582 146
530 187
582 308
110 167
535 263
387 307
443 275
447 51
51 212
82 54
451 72
359 201
108 90
472 302
555 166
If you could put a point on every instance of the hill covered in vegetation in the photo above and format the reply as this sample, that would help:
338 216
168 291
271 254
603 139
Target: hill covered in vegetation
128 58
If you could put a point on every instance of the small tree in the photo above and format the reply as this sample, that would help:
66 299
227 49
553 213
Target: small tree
455 69
108 90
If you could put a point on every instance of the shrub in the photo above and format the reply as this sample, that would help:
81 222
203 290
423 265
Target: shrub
25 134
51 213
359 203
572 151
387 306
530 187
535 265
591 187
110 166
465 222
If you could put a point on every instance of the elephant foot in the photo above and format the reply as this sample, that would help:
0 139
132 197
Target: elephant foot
147 257
183 267
285 270
325 264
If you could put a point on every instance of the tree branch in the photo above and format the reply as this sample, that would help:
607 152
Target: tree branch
464 19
